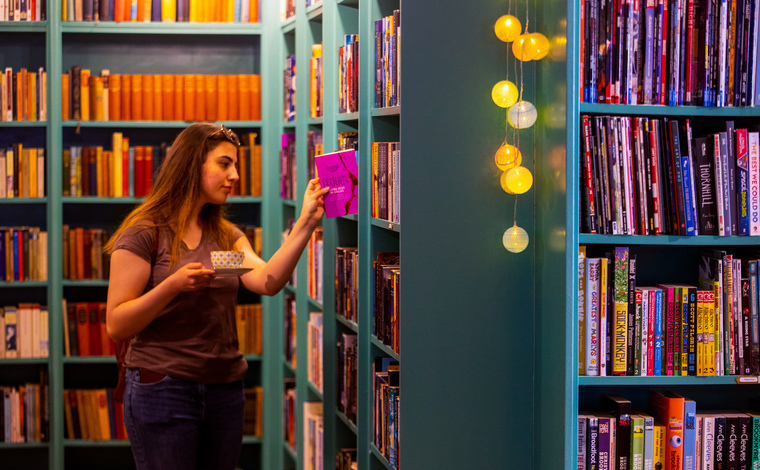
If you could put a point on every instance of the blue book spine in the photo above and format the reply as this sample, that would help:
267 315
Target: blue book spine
658 333
726 185
657 80
110 10
687 192
131 164
238 10
689 435
111 412
2 254
155 12
16 237
649 51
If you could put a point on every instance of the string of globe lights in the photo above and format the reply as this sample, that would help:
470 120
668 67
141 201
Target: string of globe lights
521 114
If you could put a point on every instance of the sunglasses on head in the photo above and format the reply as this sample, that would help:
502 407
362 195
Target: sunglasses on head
229 135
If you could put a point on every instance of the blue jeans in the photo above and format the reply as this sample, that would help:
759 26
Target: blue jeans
183 425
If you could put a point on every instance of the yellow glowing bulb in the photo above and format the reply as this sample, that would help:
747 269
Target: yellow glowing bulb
508 156
507 28
515 239
517 180
504 94
537 47
522 49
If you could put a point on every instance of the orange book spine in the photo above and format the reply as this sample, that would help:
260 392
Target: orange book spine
114 97
234 97
137 98
200 97
167 87
118 10
158 98
79 231
189 97
255 97
31 96
66 93
147 169
243 155
147 95
223 100
141 10
254 11
179 97
212 98
124 166
20 95
85 95
96 98
244 105
126 97
668 408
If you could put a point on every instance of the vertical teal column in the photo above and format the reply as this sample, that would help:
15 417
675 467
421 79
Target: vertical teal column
54 228
467 316
556 293
366 247
271 216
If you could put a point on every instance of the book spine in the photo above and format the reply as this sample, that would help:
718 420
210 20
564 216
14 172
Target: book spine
742 181
753 139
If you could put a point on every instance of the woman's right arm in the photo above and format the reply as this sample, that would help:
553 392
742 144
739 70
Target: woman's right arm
129 311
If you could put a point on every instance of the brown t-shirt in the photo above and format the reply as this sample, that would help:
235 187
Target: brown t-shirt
195 337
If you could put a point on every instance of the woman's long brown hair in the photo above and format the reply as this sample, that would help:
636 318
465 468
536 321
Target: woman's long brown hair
177 189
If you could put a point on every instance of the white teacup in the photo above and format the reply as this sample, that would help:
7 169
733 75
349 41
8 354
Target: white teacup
226 259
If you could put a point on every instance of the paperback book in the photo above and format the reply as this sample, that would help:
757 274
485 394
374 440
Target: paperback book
339 172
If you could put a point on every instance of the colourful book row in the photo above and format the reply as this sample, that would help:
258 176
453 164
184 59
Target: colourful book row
167 11
347 371
386 178
28 10
386 276
85 333
316 89
25 412
387 68
289 89
385 409
22 171
248 319
23 254
23 95
314 348
348 74
93 415
315 265
83 256
135 97
26 332
347 282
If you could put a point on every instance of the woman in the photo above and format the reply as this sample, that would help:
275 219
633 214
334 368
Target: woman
183 402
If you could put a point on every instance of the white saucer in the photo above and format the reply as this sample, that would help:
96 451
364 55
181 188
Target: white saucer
232 272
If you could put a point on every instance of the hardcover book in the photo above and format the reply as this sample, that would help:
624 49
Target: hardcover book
340 172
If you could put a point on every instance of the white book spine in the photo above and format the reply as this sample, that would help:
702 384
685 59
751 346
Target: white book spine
753 139
41 172
708 442
719 185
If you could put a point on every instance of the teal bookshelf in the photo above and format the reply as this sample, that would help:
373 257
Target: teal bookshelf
560 390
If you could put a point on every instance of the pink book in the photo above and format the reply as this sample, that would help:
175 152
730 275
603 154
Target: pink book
339 172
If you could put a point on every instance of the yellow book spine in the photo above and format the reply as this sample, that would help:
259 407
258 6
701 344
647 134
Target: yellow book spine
105 78
31 96
137 98
193 15
179 97
65 91
211 98
619 339
85 95
713 346
116 148
168 11
701 369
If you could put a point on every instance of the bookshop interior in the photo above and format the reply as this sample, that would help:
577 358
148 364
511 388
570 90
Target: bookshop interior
581 185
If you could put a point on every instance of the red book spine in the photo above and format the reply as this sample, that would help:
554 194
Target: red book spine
83 329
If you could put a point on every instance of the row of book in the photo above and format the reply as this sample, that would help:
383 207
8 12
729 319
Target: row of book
253 411
93 414
348 388
315 265
22 171
167 11
386 280
347 282
84 326
289 413
672 434
287 9
345 459
313 436
657 176
248 320
386 181
289 89
25 412
289 329
288 167
316 88
23 254
83 256
23 95
93 171
30 10
167 97
348 74
26 331
386 404
669 52
314 348
387 65
669 329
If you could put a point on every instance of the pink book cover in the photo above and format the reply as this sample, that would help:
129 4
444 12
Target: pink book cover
339 172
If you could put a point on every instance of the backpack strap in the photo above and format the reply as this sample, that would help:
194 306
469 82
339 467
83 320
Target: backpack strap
122 347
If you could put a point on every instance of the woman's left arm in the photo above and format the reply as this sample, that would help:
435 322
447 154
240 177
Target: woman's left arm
268 278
